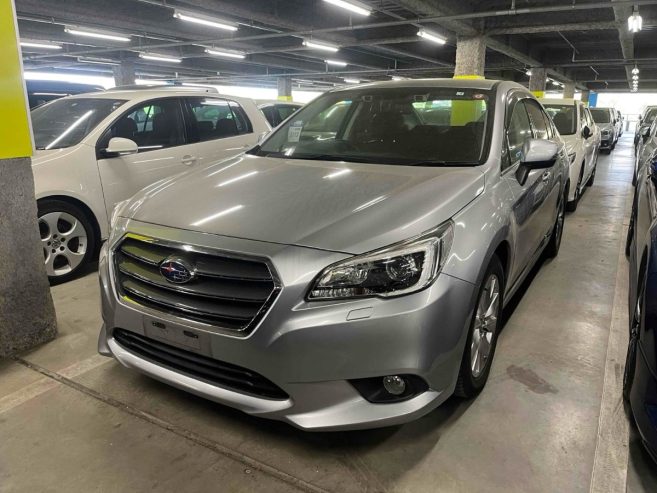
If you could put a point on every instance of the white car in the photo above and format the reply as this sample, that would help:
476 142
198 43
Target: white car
582 138
98 149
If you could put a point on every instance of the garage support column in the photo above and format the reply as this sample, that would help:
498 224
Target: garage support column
586 94
569 90
284 89
537 81
470 57
27 314
124 74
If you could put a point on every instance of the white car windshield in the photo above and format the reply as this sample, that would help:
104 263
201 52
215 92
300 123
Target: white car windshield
405 126
65 122
563 117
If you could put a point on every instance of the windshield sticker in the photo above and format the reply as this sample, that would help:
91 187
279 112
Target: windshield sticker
294 132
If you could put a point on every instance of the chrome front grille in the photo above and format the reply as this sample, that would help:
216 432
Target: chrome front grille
227 292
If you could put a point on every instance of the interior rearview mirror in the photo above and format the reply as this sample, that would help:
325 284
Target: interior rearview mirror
586 132
536 154
119 146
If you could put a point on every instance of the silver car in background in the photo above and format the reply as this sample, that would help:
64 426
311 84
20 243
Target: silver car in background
606 119
350 271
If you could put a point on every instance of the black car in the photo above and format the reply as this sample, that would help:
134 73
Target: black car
640 379
43 91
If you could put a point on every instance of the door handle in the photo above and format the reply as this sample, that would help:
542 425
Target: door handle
546 176
188 160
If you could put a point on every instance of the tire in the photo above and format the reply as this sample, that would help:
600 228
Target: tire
572 205
67 237
553 246
630 236
475 368
633 346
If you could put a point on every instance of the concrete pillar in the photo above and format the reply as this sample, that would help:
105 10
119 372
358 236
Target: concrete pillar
124 74
284 89
537 81
586 93
470 57
569 90
27 314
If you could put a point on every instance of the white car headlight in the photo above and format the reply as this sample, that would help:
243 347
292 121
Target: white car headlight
401 269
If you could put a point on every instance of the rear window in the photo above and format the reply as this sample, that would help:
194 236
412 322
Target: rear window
601 115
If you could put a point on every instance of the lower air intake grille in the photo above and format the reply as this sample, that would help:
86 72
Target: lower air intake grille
216 372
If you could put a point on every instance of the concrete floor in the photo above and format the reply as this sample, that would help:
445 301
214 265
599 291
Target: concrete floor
550 419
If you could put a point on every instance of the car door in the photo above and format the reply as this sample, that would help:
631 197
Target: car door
158 129
529 196
587 143
595 131
219 127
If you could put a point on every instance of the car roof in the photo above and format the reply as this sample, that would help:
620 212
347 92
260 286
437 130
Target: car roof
265 102
559 101
482 84
155 92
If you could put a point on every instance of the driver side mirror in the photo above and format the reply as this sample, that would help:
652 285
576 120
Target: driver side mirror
119 146
586 132
645 133
536 154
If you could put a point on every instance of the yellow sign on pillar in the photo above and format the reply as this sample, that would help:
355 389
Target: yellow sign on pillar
15 133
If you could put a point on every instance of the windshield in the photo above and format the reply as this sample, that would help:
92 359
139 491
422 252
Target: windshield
563 117
600 115
650 116
405 126
65 122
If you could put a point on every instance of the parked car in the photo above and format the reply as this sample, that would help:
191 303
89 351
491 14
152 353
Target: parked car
645 120
640 378
645 147
582 138
277 112
43 91
605 118
95 150
348 272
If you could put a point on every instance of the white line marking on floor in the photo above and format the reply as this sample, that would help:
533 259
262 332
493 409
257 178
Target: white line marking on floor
43 385
612 446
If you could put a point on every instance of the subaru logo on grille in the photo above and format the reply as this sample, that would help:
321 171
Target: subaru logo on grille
177 270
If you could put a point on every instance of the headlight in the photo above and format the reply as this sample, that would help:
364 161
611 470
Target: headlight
403 268
118 208
605 132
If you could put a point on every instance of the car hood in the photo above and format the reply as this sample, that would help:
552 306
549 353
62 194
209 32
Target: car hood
337 206
42 156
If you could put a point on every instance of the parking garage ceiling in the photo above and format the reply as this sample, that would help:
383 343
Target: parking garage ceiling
583 41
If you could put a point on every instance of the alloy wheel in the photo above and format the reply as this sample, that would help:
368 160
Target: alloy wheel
64 242
485 326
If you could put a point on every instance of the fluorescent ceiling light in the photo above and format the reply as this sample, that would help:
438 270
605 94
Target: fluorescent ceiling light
96 34
399 77
635 21
159 58
430 36
635 77
196 19
351 6
320 46
44 45
529 73
99 61
228 54
337 63
635 70
352 81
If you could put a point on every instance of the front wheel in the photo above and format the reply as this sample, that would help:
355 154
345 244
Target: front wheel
552 249
482 336
572 205
592 177
632 347
67 239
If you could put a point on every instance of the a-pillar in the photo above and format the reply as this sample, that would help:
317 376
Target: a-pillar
27 314
124 74
569 90
586 94
284 89
470 57
537 81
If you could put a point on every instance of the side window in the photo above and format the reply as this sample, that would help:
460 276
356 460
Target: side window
285 111
518 133
210 119
241 120
538 120
153 125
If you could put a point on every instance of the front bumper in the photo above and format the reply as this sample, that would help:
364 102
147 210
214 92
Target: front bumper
310 349
607 142
643 399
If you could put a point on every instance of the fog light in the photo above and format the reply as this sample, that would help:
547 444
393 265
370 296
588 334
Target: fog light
394 384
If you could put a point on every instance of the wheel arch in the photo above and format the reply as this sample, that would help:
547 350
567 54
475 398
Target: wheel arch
80 205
